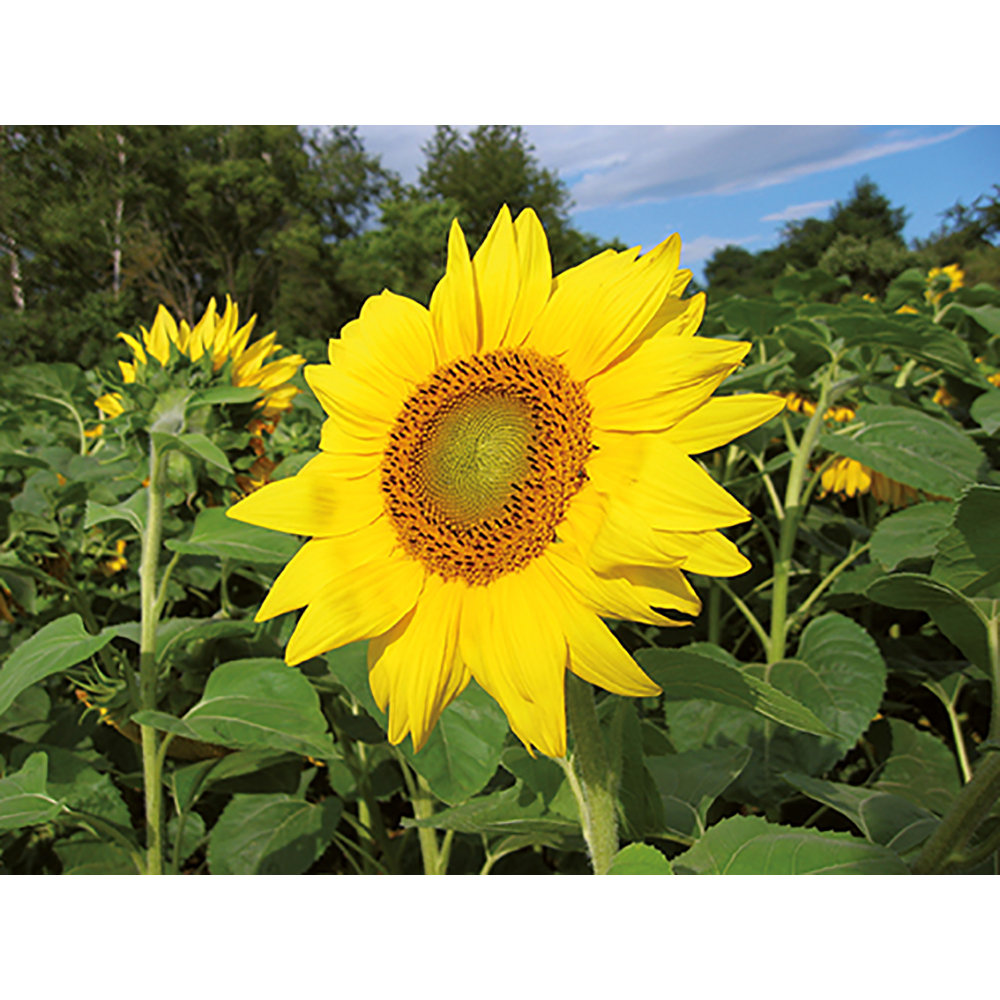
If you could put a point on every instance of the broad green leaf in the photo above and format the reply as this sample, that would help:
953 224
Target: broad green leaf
909 336
463 751
685 674
690 782
759 316
881 817
749 845
206 450
221 536
806 285
838 672
221 394
515 811
969 555
921 769
27 718
986 411
908 287
959 618
133 510
174 632
910 447
82 854
24 797
192 834
911 534
188 783
254 705
73 781
58 646
640 859
641 805
271 835
986 316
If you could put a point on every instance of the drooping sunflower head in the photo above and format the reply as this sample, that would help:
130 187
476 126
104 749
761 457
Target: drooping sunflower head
501 471
941 280
215 337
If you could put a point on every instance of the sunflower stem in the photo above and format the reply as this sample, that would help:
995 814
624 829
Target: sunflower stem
795 502
590 776
151 761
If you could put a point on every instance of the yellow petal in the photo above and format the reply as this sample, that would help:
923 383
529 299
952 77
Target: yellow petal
671 491
369 410
110 404
136 348
516 650
722 420
664 381
315 502
363 603
453 304
203 335
158 338
323 560
705 552
496 269
415 668
595 654
128 372
536 277
392 334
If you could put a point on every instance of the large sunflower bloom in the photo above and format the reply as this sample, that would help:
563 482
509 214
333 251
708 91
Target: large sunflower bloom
221 338
503 469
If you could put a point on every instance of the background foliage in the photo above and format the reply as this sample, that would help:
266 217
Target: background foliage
824 714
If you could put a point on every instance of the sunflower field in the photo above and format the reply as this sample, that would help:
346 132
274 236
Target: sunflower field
569 571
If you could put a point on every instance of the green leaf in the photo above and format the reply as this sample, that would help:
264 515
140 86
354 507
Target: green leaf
515 811
463 751
221 536
838 672
910 447
690 782
188 783
881 817
986 411
959 618
640 859
191 836
986 316
969 555
910 337
82 854
911 534
222 394
271 835
685 674
807 285
174 632
58 646
133 510
749 845
921 769
254 705
24 798
759 316
205 449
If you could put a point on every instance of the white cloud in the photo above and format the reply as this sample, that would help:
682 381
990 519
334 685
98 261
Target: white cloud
702 247
809 210
630 165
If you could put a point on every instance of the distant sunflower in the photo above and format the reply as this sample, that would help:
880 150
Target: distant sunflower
845 476
941 280
501 470
222 339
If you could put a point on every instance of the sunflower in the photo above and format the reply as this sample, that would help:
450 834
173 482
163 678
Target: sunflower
500 471
222 339
941 280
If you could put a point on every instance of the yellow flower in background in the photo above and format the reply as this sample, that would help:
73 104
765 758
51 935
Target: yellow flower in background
908 310
849 478
868 297
941 280
117 562
502 470
222 339
845 476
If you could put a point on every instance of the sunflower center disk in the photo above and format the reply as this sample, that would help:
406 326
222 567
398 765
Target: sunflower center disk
483 461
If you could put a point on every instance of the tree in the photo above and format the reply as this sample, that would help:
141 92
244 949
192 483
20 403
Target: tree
496 165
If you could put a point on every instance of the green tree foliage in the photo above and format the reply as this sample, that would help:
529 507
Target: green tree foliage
861 239
967 237
495 165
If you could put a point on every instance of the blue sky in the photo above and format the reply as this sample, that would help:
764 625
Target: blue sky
738 184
